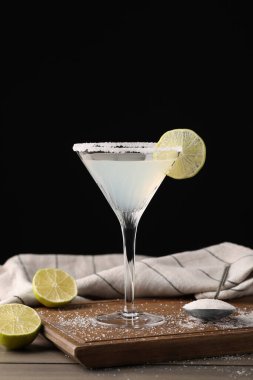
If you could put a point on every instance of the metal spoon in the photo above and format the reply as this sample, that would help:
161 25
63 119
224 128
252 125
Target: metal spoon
211 309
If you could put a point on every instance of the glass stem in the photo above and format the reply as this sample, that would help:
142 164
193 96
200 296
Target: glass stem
129 236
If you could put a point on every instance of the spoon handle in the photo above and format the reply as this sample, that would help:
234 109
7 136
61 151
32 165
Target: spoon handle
222 281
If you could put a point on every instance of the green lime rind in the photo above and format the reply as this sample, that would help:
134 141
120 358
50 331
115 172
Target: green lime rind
19 325
53 287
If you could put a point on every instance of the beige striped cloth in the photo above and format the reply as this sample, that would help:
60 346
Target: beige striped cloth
101 276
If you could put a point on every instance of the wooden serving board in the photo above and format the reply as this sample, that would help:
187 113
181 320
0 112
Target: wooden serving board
181 337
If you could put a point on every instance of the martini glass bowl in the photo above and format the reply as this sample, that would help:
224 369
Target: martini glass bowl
128 175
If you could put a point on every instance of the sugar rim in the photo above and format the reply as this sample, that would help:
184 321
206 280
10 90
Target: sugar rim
122 147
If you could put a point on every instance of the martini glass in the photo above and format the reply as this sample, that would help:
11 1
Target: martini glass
128 175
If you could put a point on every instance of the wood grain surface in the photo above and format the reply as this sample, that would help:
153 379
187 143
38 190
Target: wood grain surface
181 337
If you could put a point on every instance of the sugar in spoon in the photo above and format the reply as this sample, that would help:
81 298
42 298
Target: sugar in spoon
211 309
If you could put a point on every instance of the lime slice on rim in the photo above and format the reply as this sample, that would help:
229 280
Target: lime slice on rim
53 287
19 325
192 155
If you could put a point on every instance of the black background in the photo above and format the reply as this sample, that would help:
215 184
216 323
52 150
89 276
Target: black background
117 73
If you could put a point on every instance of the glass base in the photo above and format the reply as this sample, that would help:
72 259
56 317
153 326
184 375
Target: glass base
136 321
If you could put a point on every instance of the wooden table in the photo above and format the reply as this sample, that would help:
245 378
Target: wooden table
42 360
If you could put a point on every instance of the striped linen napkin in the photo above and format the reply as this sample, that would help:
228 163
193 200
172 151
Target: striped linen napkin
101 276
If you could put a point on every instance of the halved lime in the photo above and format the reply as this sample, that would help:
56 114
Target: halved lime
19 325
53 287
192 155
